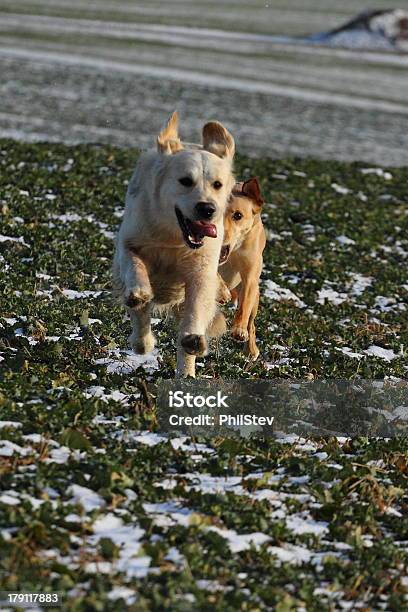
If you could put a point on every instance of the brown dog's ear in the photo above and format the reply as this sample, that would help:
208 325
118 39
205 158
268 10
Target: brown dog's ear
168 140
252 190
218 140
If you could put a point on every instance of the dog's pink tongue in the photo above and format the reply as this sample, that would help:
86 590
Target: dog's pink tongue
203 228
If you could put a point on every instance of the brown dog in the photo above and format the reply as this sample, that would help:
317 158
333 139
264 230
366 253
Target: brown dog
241 258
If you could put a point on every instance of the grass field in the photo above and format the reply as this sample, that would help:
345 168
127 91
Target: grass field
97 504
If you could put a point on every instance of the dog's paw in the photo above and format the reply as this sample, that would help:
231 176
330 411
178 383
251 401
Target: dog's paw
223 295
186 372
137 297
194 344
252 351
144 345
240 333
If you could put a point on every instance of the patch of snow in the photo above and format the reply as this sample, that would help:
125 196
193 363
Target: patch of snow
86 498
67 217
379 351
300 525
126 362
387 176
144 437
72 294
330 295
175 556
290 553
100 393
167 484
213 484
387 304
98 567
334 466
393 512
20 332
36 438
179 444
340 189
6 534
10 424
321 455
270 235
345 240
284 361
170 513
108 234
239 542
292 279
59 455
122 592
13 239
309 231
346 350
10 500
101 419
400 412
127 538
7 449
45 292
359 283
73 518
282 294
211 585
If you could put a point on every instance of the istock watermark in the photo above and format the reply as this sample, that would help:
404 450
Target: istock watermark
377 408
179 399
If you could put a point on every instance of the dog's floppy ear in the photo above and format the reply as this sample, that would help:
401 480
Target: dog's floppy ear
252 190
168 140
218 140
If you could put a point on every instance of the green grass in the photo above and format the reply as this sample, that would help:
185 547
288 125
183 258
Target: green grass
343 503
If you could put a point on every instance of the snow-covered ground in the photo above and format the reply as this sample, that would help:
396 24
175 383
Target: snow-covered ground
111 73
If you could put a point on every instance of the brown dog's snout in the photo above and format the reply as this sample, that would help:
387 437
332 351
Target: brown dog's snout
205 210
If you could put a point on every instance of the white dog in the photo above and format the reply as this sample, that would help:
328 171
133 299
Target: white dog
170 238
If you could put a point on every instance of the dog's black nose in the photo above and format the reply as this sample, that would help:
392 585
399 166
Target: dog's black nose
205 210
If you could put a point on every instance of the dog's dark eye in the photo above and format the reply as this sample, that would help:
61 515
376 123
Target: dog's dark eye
186 181
237 216
217 185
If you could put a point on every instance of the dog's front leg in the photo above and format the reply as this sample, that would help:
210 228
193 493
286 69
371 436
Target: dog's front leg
247 297
199 310
185 363
138 291
251 348
141 339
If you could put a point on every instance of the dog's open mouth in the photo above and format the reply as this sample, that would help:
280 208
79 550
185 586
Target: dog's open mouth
195 231
225 251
